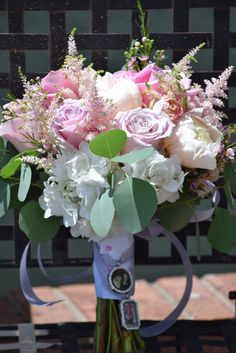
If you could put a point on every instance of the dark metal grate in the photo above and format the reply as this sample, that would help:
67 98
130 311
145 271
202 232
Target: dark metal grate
183 337
61 255
16 41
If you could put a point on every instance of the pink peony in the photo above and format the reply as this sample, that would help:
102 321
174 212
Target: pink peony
143 127
129 74
56 81
13 132
72 123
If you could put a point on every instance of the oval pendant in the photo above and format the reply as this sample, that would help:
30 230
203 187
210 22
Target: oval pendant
120 280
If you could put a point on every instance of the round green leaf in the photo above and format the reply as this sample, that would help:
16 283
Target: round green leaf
176 216
109 143
25 181
221 233
34 225
102 213
135 202
134 156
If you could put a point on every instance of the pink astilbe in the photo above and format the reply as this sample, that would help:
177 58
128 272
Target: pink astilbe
100 110
183 66
73 63
38 120
215 89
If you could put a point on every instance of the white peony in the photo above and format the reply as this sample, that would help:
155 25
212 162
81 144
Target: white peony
195 141
124 93
165 174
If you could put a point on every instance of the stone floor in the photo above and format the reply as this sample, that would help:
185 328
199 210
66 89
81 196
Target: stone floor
209 300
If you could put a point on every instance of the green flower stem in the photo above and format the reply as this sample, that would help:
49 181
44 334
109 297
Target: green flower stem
110 336
110 326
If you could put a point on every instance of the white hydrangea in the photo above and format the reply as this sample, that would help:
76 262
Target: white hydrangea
77 179
165 174
59 199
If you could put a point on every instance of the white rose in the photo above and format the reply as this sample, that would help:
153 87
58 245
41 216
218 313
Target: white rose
195 141
124 93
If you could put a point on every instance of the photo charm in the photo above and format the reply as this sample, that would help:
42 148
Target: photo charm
120 280
129 314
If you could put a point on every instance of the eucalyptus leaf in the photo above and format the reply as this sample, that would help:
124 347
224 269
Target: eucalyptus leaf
135 202
2 145
102 213
134 156
177 215
34 225
230 175
221 233
25 181
228 193
1 116
5 196
109 143
11 167
14 163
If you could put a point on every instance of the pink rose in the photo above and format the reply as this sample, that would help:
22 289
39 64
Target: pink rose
71 123
171 107
12 131
143 127
54 82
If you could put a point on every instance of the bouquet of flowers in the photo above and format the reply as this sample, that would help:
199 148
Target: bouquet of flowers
106 154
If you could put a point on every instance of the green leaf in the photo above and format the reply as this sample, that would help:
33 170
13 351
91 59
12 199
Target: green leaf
135 202
1 116
230 175
5 196
177 215
134 156
25 181
109 143
102 213
11 167
14 164
34 225
221 233
229 195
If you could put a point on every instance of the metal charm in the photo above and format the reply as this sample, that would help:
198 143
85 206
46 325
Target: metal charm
129 314
120 280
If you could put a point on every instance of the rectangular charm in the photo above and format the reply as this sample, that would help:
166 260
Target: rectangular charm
129 314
